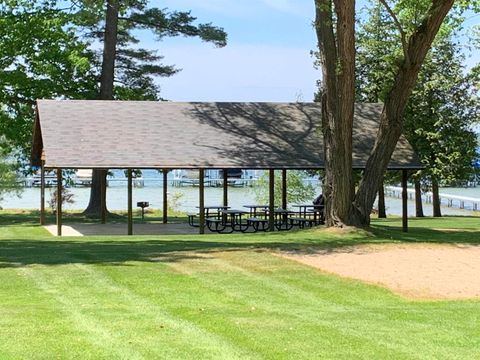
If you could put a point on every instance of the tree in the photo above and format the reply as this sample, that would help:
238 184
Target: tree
442 106
334 24
335 27
298 190
9 182
49 49
40 57
439 119
128 70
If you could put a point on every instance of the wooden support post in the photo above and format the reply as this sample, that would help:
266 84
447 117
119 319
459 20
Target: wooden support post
271 200
284 188
201 188
59 201
404 201
225 187
103 198
165 196
130 200
42 193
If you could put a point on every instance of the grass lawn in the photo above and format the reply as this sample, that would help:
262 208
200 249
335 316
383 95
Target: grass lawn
218 296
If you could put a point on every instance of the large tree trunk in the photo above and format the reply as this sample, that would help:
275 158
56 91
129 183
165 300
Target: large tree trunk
437 212
391 120
107 78
418 199
382 212
337 57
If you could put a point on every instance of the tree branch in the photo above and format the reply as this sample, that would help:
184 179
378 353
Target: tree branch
326 42
403 35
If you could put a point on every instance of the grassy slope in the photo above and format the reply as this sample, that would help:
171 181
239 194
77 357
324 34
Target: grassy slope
216 296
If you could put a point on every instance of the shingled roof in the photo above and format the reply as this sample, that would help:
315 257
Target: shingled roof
143 134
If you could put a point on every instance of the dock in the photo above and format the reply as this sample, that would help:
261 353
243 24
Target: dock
448 200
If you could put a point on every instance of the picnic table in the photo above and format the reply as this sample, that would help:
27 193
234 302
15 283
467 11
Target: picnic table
306 210
229 220
253 209
193 218
281 218
217 208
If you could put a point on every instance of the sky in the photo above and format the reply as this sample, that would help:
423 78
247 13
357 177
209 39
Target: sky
268 56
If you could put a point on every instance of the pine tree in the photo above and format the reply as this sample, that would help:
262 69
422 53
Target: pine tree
129 71
443 105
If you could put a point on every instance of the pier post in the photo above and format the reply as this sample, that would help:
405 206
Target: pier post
404 201
271 200
103 195
59 201
165 196
284 188
42 193
201 205
225 187
130 200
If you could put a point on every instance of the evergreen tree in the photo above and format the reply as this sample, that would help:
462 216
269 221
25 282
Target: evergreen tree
417 23
50 49
443 105
128 71
439 119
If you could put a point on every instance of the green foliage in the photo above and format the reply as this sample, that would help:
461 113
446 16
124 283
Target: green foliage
377 53
9 182
67 198
40 57
49 49
136 67
298 189
174 202
440 115
444 103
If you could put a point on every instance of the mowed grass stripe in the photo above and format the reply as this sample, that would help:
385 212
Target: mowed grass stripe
31 324
71 304
370 312
279 299
266 321
116 313
229 292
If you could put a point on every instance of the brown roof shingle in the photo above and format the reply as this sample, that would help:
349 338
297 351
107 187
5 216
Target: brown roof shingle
143 134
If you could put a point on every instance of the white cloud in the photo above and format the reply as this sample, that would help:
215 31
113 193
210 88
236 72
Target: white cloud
239 73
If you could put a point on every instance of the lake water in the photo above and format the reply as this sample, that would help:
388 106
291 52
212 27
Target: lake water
187 197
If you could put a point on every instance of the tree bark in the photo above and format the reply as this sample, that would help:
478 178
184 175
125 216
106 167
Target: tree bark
437 212
107 79
382 212
391 119
337 58
418 200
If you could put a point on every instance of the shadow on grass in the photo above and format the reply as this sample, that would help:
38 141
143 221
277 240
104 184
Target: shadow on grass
32 217
120 250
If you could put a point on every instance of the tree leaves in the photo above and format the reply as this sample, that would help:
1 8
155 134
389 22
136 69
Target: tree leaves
444 103
40 57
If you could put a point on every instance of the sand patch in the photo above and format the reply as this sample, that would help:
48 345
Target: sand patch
66 230
412 270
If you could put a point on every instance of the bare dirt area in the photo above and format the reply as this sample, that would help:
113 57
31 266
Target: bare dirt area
421 271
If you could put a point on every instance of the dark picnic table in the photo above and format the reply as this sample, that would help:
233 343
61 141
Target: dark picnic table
217 208
281 218
228 221
306 210
254 209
